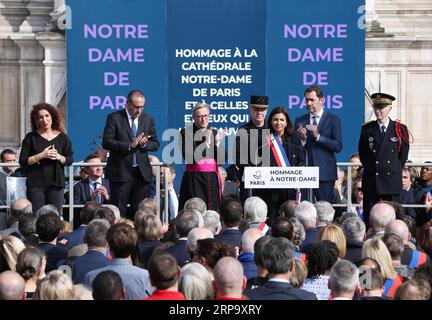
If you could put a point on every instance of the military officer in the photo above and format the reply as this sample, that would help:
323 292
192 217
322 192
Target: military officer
383 149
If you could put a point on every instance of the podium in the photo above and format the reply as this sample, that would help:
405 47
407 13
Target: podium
282 178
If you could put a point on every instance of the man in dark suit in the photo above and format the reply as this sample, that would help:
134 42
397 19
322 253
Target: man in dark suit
278 257
94 187
231 212
321 134
95 257
407 194
128 135
383 147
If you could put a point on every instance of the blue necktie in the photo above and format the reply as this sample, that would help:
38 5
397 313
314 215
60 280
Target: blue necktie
134 134
314 121
98 196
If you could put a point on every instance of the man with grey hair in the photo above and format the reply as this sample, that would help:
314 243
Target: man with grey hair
185 221
325 213
380 216
95 258
255 213
12 286
344 280
198 205
47 208
212 221
306 213
202 150
116 211
246 257
19 208
354 230
278 257
411 257
229 280
197 234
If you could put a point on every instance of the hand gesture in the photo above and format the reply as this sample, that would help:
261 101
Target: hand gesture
137 140
221 134
104 192
52 153
313 129
302 132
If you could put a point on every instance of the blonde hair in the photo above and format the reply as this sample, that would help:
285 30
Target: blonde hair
12 246
334 234
82 292
55 286
376 249
299 273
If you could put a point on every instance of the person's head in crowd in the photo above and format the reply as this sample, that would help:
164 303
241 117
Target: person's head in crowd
334 234
321 258
147 203
66 227
249 237
283 227
105 213
370 263
259 248
229 279
414 289
307 214
255 210
299 274
325 212
82 292
424 272
287 208
371 282
27 224
116 211
395 246
108 286
30 265
57 285
376 249
425 236
94 172
399 210
426 174
95 233
197 204
87 212
8 156
165 245
197 234
381 215
231 212
164 271
47 208
233 175
19 208
355 170
358 191
40 109
354 229
122 240
278 257
195 282
212 221
10 248
200 114
209 251
344 279
171 174
399 228
299 233
348 215
406 178
186 220
412 228
223 174
12 286
148 226
48 227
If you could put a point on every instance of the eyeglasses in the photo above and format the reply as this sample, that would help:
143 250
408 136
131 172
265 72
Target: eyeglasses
204 116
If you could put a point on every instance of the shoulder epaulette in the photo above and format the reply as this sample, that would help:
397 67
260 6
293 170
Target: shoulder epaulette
398 121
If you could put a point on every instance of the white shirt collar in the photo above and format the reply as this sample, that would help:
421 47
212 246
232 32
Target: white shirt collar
278 280
386 124
98 180
318 115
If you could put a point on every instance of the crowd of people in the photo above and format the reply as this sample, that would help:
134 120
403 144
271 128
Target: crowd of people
221 241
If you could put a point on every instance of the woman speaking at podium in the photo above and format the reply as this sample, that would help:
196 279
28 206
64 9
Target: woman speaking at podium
285 151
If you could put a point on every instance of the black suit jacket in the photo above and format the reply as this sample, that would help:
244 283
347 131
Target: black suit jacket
229 237
382 163
54 254
82 191
117 137
272 290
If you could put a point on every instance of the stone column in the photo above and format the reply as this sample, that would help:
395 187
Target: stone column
39 15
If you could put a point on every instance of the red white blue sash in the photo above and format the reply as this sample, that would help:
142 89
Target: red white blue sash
278 151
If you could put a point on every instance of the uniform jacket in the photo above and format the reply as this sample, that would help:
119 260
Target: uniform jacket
382 163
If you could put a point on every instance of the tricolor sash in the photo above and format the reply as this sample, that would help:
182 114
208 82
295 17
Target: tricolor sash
417 259
278 151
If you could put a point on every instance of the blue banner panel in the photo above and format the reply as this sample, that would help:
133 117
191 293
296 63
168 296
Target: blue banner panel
318 42
113 47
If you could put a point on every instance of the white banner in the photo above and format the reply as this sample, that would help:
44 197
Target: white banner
281 177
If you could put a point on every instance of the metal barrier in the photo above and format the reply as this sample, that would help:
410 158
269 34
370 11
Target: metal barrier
158 165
